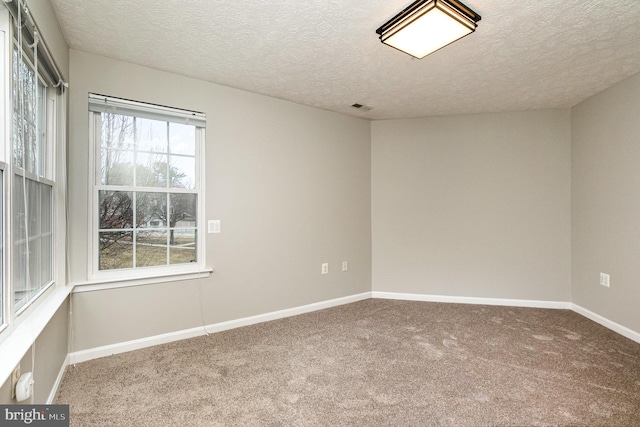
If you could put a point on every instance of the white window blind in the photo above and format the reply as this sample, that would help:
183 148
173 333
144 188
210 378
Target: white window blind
106 104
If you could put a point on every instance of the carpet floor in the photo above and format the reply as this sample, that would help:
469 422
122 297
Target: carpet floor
373 363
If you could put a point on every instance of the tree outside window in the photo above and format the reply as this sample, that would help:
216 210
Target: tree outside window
147 192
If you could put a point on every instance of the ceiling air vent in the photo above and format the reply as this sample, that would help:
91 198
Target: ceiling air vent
361 107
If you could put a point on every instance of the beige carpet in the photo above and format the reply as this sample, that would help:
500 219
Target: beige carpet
373 363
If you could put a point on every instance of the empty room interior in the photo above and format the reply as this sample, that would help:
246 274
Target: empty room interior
268 213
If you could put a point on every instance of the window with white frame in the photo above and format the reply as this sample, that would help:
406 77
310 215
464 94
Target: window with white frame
32 184
147 186
31 87
2 308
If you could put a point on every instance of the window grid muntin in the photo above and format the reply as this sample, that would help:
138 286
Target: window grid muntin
37 150
167 188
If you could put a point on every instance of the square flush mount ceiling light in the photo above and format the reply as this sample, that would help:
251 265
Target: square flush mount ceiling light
428 25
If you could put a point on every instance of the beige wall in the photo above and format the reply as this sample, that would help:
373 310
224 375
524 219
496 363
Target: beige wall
50 353
47 22
475 206
290 183
606 202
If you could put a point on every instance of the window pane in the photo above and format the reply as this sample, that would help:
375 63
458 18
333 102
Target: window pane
151 210
33 256
29 118
183 246
116 167
1 247
117 131
23 111
46 205
33 203
19 213
42 127
20 273
18 151
182 208
183 172
20 248
152 135
116 209
151 170
151 248
116 250
182 139
45 267
150 159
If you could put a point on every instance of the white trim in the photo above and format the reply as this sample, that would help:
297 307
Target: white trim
108 350
122 282
473 300
123 347
609 324
252 320
133 274
56 384
110 104
26 332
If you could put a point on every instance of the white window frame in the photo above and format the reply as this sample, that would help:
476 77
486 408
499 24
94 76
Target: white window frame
19 328
146 274
45 177
4 288
6 44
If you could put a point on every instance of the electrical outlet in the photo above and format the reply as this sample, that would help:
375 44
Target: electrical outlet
325 268
15 376
604 279
345 265
213 226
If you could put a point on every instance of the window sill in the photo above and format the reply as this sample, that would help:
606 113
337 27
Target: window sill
125 282
16 340
20 338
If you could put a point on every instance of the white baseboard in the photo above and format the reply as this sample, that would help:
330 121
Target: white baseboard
123 347
56 384
108 350
473 300
616 327
223 326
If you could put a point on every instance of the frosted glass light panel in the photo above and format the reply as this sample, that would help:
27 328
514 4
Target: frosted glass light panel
428 25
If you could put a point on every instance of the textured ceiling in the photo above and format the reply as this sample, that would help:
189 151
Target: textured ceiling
325 53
